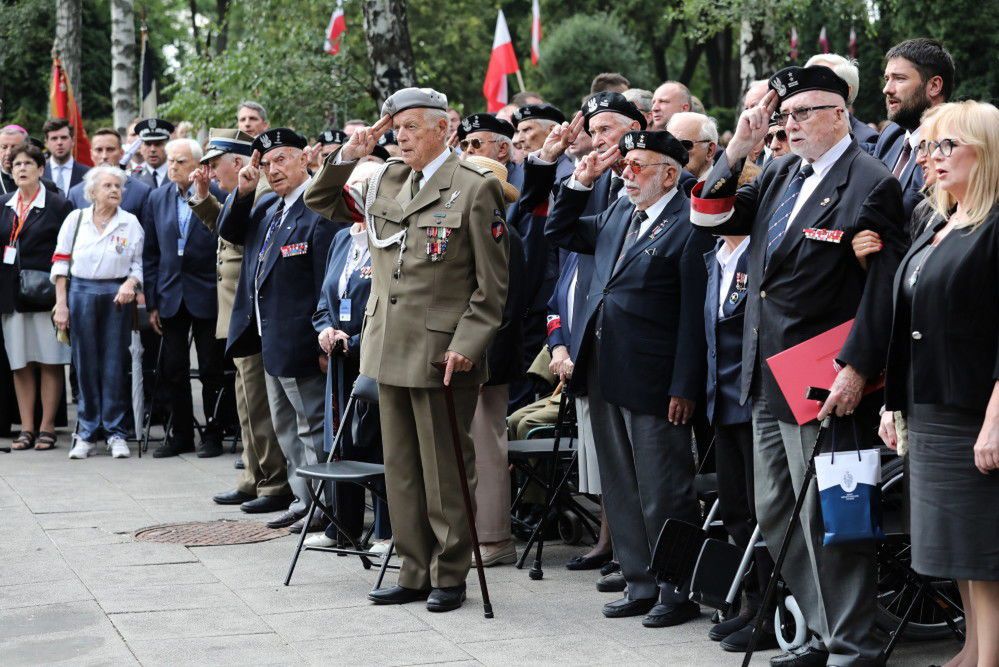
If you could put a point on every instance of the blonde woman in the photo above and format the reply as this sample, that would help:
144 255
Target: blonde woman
943 371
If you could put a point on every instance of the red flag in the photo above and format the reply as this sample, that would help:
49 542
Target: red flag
62 104
853 42
335 30
503 61
535 32
794 43
823 40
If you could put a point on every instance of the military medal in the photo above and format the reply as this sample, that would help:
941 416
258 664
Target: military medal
827 235
437 238
740 281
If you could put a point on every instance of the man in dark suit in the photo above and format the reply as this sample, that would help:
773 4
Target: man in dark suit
61 167
919 75
285 246
179 267
105 148
639 351
801 214
154 133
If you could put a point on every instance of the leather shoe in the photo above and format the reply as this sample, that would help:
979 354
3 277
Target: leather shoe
172 448
727 627
209 447
611 583
448 598
232 498
624 607
809 657
738 641
666 616
319 522
266 504
610 567
397 595
593 562
286 519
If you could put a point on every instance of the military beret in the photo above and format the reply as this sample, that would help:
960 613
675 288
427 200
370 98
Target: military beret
222 141
660 142
154 129
388 139
538 111
277 138
484 122
609 101
414 98
333 136
37 143
380 152
793 80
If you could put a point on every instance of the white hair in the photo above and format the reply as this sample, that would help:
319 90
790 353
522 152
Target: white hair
640 97
845 68
193 145
709 127
432 116
94 175
502 139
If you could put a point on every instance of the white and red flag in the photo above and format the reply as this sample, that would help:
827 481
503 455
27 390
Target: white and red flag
335 30
502 62
535 32
853 42
794 43
824 40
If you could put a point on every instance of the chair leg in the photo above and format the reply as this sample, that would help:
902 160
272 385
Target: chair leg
301 538
385 561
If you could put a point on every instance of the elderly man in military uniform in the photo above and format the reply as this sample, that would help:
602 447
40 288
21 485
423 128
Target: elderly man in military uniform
439 251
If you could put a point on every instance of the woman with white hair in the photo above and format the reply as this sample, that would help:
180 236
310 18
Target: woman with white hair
97 270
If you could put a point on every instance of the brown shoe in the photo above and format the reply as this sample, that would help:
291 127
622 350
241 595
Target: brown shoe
497 553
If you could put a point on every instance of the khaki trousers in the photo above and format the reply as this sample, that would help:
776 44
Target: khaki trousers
265 473
421 478
492 467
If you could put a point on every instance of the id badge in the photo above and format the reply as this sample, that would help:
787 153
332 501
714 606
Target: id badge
9 254
345 310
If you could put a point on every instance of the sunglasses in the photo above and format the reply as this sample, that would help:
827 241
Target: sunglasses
802 114
689 145
779 135
475 143
637 167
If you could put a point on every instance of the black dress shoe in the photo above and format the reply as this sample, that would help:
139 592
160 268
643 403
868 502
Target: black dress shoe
239 465
397 595
209 449
810 657
725 628
624 607
266 504
172 448
610 567
319 522
448 598
611 583
738 641
589 562
666 616
286 519
232 498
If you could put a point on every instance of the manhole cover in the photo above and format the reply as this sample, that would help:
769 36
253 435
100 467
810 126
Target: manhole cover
209 533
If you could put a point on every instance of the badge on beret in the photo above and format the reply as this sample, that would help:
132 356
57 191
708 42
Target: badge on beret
629 141
265 141
592 104
467 125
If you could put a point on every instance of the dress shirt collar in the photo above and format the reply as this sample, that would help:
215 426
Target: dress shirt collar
292 197
434 165
55 166
359 237
913 138
828 159
727 257
37 202
657 209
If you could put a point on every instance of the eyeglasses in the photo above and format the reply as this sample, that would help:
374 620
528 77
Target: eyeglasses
946 146
689 145
637 167
779 135
802 114
475 143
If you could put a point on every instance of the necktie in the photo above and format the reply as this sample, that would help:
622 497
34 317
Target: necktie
63 181
156 179
634 227
903 159
414 186
271 228
778 221
615 188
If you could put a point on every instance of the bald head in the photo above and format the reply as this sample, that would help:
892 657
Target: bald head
756 91
670 98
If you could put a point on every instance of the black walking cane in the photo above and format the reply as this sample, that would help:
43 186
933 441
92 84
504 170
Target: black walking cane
487 607
768 597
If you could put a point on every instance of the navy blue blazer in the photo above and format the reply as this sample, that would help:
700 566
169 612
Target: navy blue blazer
559 332
515 174
290 284
649 311
75 176
133 198
171 280
888 149
724 342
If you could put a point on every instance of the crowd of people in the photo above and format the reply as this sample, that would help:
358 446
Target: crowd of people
628 254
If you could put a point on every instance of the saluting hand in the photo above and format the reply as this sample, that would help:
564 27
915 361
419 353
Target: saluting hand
751 128
561 136
312 154
363 141
591 167
452 141
249 176
200 179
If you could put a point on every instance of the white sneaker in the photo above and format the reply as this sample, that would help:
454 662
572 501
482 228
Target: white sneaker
81 448
119 448
379 548
319 540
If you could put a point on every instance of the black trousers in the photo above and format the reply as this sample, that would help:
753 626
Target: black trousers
177 370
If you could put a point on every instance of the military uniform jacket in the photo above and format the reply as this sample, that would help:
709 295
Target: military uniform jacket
648 310
449 292
812 283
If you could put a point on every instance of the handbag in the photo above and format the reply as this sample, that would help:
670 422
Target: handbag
63 336
849 492
35 290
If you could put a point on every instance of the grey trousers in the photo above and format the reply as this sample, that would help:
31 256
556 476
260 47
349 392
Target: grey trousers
835 586
647 476
264 473
297 412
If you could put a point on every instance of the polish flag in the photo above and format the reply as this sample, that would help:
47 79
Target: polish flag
853 42
824 40
794 43
502 62
535 32
335 30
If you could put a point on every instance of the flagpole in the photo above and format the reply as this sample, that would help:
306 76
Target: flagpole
520 80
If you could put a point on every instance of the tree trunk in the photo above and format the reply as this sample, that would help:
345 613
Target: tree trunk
68 41
194 26
222 12
756 56
124 63
690 64
390 52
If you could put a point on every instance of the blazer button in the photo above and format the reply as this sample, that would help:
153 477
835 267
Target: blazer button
916 335
763 294
393 299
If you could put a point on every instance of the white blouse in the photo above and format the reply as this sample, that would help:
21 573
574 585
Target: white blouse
114 254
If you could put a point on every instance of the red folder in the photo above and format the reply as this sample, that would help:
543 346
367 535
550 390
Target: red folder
811 364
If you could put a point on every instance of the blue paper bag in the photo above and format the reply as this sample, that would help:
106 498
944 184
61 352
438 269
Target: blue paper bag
850 495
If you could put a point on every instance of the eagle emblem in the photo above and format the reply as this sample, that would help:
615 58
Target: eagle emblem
591 106
265 141
466 125
152 123
629 141
779 86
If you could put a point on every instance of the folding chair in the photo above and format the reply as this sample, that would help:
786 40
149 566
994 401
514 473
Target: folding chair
371 476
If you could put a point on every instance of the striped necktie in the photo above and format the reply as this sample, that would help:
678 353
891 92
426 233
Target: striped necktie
637 218
778 221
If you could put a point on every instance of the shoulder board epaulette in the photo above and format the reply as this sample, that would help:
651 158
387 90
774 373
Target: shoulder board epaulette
481 171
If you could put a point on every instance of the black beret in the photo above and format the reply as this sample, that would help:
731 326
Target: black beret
380 152
608 101
278 137
538 111
37 143
484 122
660 142
333 136
154 129
388 139
793 80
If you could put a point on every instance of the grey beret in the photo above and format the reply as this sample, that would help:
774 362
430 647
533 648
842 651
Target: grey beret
414 98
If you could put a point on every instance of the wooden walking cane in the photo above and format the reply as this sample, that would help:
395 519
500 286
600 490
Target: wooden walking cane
487 607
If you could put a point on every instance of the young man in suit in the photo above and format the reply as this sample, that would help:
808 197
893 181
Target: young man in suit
803 280
61 167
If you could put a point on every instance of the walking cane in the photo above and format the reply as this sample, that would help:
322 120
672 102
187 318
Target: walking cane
768 597
487 607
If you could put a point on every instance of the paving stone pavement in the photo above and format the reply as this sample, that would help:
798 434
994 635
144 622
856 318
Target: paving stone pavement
75 588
